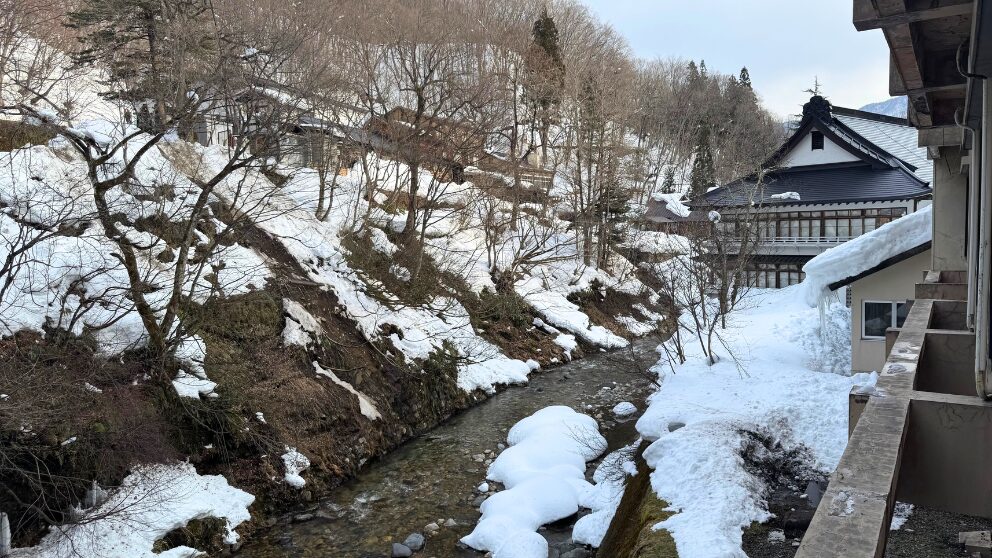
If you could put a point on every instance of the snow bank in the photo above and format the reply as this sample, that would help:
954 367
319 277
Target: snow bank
301 329
192 381
865 252
151 501
697 468
295 463
543 471
556 309
655 242
604 498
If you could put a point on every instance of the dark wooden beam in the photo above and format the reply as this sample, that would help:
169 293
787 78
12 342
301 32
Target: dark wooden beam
938 70
904 46
874 21
954 87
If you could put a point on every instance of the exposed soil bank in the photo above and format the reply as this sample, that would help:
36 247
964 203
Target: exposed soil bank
631 534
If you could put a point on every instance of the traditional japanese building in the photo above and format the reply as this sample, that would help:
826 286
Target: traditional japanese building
840 174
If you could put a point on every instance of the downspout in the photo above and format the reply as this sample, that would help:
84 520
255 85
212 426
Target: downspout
981 377
978 252
974 215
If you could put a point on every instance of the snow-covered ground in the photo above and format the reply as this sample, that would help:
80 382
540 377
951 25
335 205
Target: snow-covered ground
764 381
152 500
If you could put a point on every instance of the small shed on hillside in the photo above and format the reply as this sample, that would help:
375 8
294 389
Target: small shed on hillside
666 213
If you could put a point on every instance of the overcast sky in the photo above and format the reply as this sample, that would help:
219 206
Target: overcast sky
784 44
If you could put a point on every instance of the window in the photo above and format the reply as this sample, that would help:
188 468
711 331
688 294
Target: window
878 316
817 138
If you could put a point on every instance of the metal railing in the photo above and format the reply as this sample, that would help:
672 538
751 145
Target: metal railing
805 239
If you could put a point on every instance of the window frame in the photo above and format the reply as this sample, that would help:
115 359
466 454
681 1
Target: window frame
817 141
893 317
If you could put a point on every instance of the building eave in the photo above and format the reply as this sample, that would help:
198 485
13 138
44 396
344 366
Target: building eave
884 264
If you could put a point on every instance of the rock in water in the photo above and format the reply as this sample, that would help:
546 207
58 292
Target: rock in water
414 542
401 551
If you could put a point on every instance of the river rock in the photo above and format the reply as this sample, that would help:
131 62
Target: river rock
450 522
432 528
414 542
577 553
479 500
401 551
673 426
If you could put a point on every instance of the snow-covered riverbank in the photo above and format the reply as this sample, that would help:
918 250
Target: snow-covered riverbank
775 377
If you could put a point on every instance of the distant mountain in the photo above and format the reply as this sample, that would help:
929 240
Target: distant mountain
896 106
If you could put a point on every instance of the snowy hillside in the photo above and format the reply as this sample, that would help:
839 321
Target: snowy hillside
896 107
86 287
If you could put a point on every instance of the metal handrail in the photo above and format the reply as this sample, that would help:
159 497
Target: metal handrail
806 239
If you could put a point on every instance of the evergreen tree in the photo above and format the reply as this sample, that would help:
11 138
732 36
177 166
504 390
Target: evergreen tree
745 78
702 69
139 41
702 177
546 39
668 183
693 72
545 75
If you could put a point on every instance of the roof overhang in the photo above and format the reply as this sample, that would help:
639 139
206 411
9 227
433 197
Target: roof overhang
884 264
926 38
979 63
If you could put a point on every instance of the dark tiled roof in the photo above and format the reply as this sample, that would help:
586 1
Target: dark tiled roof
658 212
856 182
878 176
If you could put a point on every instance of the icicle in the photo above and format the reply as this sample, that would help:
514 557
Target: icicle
821 306
824 301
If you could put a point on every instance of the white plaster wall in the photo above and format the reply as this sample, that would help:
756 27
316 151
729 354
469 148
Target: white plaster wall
803 154
894 283
950 212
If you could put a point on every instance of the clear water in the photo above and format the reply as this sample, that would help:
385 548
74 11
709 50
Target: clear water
433 477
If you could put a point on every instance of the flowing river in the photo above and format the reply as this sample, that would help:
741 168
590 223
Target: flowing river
433 478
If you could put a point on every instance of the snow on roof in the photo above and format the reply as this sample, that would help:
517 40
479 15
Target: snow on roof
786 196
899 140
674 204
865 252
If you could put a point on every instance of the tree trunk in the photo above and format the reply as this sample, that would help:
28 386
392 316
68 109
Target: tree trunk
409 230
